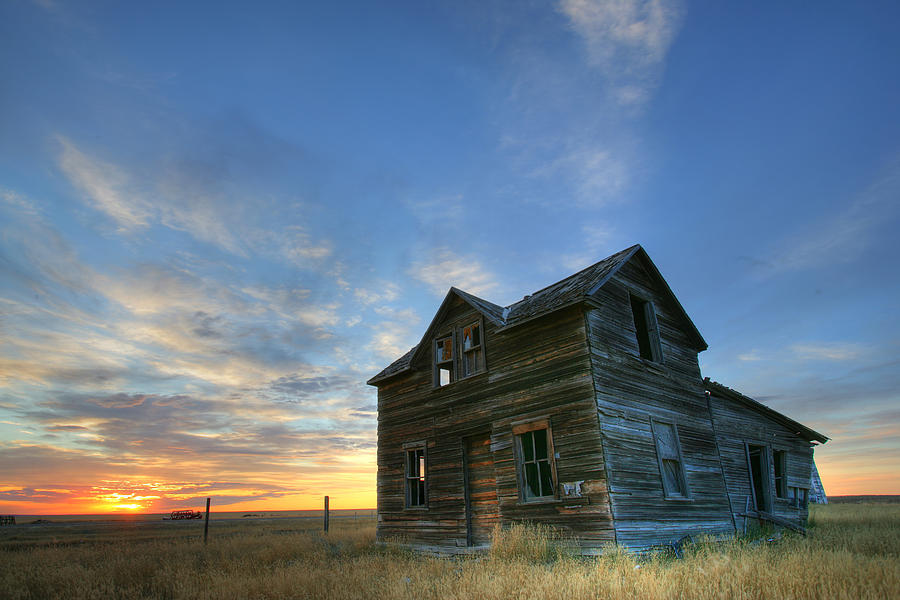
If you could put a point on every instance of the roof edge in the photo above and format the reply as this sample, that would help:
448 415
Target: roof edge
702 345
807 433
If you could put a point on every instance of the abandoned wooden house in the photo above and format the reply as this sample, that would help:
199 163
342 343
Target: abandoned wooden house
581 407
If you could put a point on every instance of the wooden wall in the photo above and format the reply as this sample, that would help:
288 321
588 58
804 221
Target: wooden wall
629 392
540 369
736 425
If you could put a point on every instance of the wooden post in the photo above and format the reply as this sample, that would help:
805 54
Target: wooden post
206 523
326 514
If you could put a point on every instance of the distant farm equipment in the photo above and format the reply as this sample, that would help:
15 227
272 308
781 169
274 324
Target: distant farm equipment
179 515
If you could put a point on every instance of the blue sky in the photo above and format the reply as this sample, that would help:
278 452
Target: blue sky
217 220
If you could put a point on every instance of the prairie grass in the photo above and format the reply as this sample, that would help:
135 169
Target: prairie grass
853 551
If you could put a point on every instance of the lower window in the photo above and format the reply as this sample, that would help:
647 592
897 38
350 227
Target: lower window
415 477
534 457
671 465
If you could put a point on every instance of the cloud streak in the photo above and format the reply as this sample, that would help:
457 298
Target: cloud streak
843 237
626 40
445 268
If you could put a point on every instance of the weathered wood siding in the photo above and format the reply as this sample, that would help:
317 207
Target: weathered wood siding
540 369
737 425
629 392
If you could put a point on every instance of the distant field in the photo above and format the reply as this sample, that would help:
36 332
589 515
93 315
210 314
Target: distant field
853 551
874 499
214 515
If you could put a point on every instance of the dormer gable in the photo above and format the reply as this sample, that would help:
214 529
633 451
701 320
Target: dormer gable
423 354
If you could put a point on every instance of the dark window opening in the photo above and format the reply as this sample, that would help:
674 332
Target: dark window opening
758 465
646 329
415 477
780 457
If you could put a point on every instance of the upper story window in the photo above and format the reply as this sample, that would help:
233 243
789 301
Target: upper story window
534 461
471 349
646 329
444 371
459 354
415 477
671 464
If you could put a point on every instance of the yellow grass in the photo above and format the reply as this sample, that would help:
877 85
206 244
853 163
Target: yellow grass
853 552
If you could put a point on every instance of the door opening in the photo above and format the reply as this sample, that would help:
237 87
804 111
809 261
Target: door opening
758 463
482 509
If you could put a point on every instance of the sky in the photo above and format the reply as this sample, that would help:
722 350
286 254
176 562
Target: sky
218 220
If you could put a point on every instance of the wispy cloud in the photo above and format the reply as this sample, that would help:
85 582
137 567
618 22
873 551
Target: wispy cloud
105 186
827 351
444 269
842 237
626 40
199 198
598 240
568 119
600 174
391 339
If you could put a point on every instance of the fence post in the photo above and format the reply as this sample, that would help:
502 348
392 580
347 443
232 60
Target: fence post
206 523
326 514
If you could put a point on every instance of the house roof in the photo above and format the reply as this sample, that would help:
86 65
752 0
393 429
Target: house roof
723 391
568 291
574 289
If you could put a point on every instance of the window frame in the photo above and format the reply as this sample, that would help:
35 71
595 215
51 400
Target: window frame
780 482
478 350
456 364
408 448
667 493
439 365
650 327
519 429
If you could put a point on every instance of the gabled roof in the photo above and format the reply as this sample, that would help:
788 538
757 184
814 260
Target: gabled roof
572 290
717 389
568 291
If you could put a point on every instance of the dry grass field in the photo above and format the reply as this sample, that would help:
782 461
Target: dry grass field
853 552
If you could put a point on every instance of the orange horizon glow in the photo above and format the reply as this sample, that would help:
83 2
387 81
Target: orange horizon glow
836 482
107 505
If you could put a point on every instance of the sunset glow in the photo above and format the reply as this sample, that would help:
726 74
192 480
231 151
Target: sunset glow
206 249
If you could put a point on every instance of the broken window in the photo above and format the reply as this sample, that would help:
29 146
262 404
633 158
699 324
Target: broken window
780 473
534 454
415 477
443 361
646 329
459 354
472 361
671 465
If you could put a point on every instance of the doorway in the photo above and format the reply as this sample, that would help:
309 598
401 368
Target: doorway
482 508
758 464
